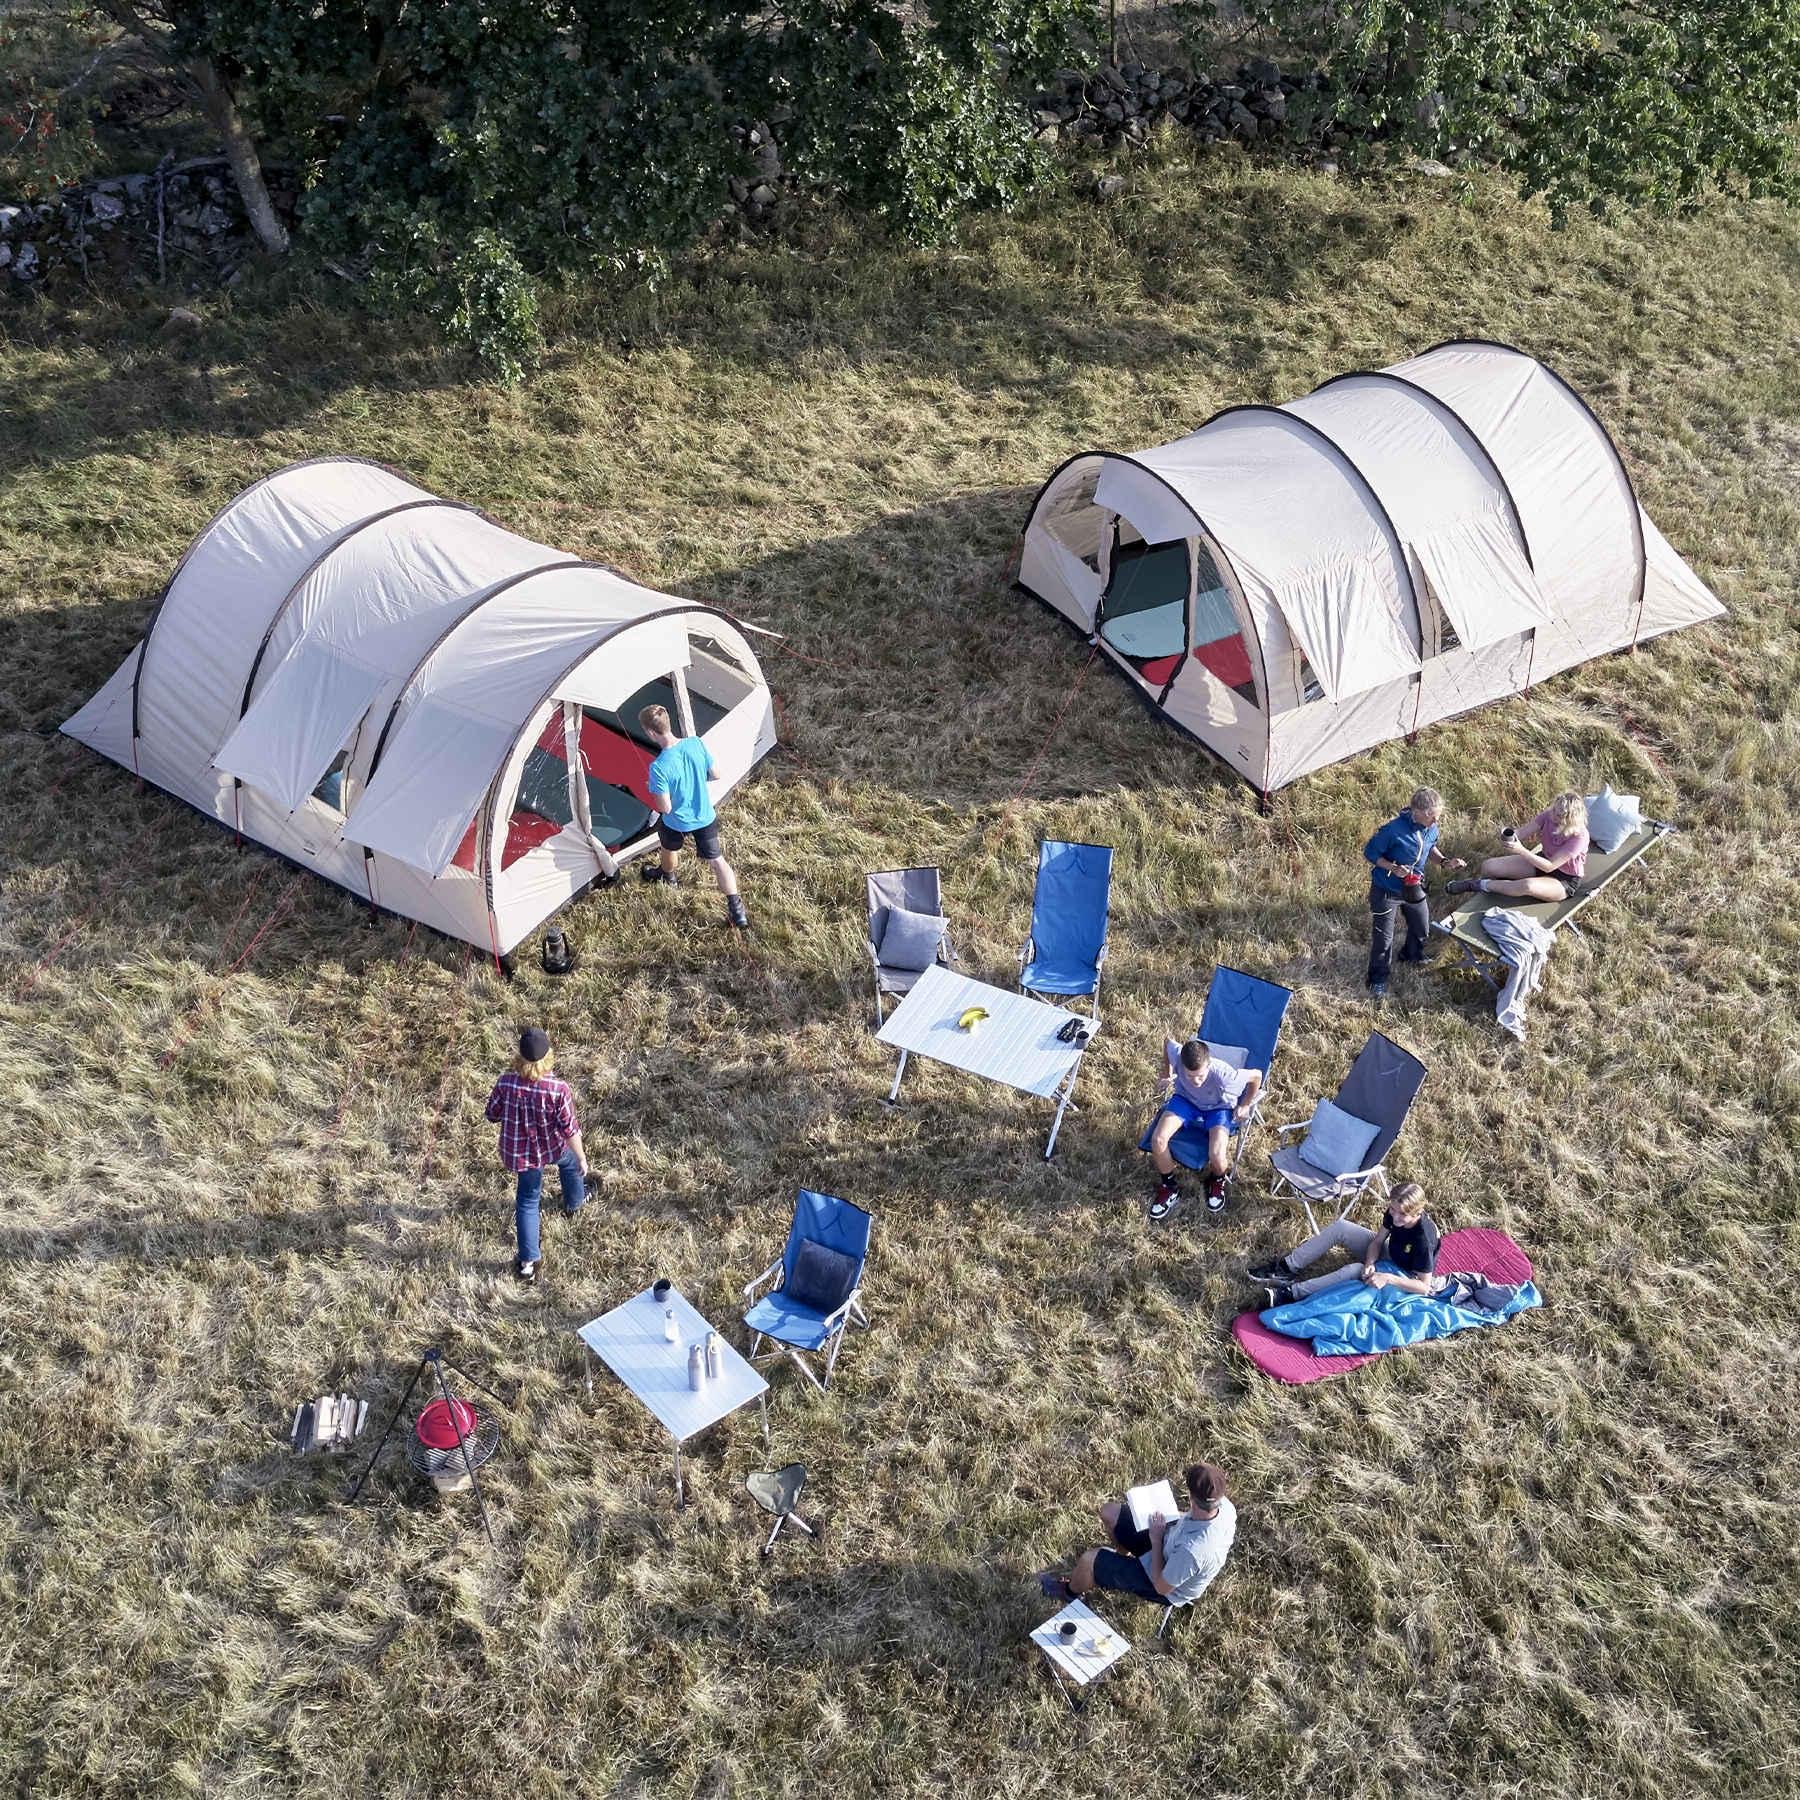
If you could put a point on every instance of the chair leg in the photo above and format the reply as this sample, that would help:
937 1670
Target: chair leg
755 1348
837 1339
794 1518
800 1363
780 1520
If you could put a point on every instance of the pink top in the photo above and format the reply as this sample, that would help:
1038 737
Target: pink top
1568 850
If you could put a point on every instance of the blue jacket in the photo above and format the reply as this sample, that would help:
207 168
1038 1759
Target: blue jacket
1400 841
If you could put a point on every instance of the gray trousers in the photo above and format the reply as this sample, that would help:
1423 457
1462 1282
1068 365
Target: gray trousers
1382 907
1340 1234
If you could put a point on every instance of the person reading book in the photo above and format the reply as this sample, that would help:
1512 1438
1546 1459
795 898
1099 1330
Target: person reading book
1167 1561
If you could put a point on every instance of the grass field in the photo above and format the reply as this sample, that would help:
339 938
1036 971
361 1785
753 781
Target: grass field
250 1164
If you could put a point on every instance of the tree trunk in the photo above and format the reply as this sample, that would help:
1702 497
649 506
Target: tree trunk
240 153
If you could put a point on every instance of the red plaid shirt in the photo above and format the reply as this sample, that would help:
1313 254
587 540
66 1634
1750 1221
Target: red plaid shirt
536 1119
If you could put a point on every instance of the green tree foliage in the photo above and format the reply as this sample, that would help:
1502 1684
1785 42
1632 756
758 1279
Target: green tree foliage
468 147
1589 102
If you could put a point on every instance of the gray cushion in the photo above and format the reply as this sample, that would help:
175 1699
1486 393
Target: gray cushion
1612 818
910 940
1337 1141
823 1278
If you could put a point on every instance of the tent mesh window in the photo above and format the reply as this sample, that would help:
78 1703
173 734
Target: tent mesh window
1218 644
1311 688
1077 523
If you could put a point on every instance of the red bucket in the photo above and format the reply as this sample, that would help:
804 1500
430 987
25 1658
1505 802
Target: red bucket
437 1426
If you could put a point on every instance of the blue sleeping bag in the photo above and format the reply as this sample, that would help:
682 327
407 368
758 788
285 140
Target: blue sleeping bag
1350 1319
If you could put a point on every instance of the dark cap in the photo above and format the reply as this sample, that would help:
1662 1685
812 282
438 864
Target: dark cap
1206 1484
534 1043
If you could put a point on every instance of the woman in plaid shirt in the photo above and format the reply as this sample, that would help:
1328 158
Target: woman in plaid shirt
536 1115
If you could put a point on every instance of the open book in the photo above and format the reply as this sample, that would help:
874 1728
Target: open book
1147 1501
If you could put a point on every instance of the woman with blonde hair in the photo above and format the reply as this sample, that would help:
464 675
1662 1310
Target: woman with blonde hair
536 1115
1544 858
1407 1242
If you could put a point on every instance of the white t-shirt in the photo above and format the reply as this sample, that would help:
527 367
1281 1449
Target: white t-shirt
1194 1551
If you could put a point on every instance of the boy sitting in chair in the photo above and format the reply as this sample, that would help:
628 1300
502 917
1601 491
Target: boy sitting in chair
1210 1093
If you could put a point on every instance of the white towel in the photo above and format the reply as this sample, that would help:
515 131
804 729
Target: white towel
1525 945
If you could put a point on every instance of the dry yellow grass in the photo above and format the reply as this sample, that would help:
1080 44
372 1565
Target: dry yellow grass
1559 1559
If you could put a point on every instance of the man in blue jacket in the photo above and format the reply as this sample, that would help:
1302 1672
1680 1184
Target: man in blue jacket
1397 855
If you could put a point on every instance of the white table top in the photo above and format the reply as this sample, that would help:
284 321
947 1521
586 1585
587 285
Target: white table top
629 1340
1015 1045
1082 1660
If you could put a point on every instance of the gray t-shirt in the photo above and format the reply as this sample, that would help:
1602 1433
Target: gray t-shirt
1219 1085
1194 1551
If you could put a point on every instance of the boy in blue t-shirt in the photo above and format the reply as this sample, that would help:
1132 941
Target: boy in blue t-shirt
677 787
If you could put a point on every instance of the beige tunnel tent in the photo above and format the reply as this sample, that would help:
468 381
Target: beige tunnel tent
1292 584
429 710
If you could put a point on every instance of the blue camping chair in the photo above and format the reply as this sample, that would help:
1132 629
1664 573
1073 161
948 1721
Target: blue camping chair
1242 1012
1062 957
820 1290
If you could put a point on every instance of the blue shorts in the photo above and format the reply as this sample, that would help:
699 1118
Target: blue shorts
1206 1117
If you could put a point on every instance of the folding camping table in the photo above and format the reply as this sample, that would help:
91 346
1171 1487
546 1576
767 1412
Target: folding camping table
1095 1647
630 1341
1015 1045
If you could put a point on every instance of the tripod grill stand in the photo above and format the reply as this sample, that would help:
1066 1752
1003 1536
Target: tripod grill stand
473 1448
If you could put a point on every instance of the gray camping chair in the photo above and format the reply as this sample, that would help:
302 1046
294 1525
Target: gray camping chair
1379 1088
778 1491
913 890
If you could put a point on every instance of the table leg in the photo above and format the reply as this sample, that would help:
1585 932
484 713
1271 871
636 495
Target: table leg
680 1492
1062 1106
587 1364
762 1400
899 1076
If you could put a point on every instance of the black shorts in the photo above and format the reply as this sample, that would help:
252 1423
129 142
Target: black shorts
1122 1570
1569 882
706 839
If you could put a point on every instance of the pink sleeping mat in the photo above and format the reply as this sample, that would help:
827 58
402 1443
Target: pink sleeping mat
1476 1251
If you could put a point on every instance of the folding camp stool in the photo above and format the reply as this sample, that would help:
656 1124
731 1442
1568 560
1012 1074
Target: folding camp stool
778 1491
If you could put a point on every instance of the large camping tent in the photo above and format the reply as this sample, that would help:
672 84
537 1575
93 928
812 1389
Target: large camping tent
434 713
1292 584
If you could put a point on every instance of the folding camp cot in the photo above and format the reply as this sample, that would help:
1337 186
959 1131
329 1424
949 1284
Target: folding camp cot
1063 955
1477 953
908 890
1242 1022
1379 1090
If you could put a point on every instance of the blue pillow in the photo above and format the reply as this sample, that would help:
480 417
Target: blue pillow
1337 1141
823 1278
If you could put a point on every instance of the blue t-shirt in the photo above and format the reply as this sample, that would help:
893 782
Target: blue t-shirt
680 772
1403 842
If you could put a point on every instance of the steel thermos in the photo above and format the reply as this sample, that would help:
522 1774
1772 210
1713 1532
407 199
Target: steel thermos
696 1368
712 1356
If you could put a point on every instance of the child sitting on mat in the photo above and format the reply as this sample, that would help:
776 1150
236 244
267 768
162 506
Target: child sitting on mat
1408 1239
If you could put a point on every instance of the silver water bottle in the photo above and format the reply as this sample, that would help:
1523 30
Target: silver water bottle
712 1356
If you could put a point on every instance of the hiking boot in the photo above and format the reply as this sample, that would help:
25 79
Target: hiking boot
525 1272
1461 887
1377 990
1279 1292
651 873
736 913
1272 1272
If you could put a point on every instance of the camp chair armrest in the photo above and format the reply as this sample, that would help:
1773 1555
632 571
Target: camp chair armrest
768 1274
1283 1130
841 1312
1028 952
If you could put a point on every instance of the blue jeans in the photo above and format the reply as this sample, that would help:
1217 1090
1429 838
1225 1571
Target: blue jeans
531 1193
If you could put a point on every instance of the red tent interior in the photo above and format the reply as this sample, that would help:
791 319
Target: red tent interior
607 755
